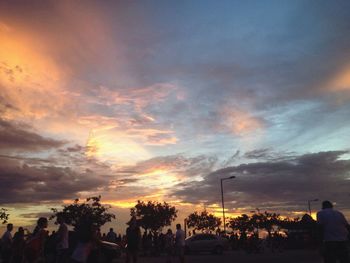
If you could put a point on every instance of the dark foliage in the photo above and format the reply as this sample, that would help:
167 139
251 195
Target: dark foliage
203 221
4 216
153 215
91 209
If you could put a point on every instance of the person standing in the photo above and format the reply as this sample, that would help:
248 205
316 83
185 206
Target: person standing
18 246
6 244
34 248
169 244
335 234
111 236
180 243
62 240
86 234
133 238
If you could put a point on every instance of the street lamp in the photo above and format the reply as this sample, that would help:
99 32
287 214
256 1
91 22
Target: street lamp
309 204
222 199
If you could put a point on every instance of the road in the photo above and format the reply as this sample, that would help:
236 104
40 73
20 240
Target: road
292 256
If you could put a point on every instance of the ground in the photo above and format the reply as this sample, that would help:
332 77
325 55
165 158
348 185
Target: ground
291 256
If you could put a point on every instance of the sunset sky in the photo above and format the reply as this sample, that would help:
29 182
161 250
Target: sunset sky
158 100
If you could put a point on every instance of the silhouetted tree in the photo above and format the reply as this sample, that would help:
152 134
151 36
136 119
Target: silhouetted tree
4 216
242 223
90 209
153 215
203 221
268 221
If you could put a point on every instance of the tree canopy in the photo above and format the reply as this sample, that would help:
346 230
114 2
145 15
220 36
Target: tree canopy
4 216
203 221
246 223
242 223
91 209
153 215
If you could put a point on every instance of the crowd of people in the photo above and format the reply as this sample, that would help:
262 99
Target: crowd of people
25 247
154 244
84 243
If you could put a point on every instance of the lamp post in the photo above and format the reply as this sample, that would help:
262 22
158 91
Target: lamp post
222 199
309 204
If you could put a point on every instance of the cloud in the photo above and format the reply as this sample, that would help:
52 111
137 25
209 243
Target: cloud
24 183
279 185
268 154
156 177
240 122
19 137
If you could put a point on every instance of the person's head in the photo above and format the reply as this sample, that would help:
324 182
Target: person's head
9 227
111 229
169 231
42 222
20 231
178 226
327 204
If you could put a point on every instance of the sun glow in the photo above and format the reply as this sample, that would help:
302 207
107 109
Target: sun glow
114 146
158 178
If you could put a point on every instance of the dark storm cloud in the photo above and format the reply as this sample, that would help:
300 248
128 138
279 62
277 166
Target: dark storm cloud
16 136
281 185
23 183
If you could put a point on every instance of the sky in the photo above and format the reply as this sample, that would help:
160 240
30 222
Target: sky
159 100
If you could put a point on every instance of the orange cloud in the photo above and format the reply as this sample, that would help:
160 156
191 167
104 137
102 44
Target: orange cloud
30 82
341 81
241 122
139 97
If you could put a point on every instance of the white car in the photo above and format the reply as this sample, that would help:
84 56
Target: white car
206 243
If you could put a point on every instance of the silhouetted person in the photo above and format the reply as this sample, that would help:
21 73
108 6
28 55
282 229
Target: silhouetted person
18 246
34 249
169 244
144 243
87 238
180 243
111 236
62 240
149 243
133 238
6 244
156 244
335 234
99 234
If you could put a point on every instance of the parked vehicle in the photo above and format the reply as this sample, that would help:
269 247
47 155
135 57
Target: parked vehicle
110 251
206 243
